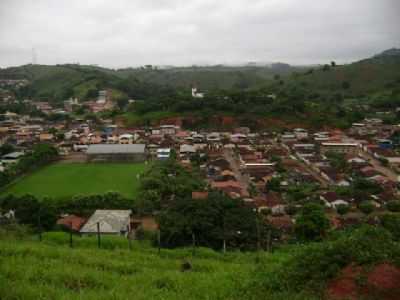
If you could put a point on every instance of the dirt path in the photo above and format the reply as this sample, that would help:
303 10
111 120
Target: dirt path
244 179
378 166
74 157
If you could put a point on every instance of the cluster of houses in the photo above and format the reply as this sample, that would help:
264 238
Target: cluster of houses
239 162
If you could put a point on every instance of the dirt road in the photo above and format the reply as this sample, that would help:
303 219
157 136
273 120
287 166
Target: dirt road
378 166
244 179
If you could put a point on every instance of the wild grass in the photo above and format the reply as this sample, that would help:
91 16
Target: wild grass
52 270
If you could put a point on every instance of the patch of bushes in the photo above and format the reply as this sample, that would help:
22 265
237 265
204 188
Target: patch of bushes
392 223
314 264
393 206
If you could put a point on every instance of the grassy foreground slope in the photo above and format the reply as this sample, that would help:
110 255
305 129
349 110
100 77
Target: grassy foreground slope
51 270
65 180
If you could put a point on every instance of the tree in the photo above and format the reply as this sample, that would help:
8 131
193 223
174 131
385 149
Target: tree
325 68
342 209
91 94
165 181
212 222
39 214
6 148
312 224
391 222
345 85
333 64
366 207
122 102
338 161
393 206
291 209
274 184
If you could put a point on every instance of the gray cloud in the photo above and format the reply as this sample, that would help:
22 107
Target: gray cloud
121 33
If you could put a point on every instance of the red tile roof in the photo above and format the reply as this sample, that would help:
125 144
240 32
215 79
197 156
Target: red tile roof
72 222
199 195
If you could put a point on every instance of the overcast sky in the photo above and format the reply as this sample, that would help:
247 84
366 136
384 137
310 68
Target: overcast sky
121 33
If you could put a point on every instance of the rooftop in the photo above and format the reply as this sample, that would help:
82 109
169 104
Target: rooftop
116 148
110 221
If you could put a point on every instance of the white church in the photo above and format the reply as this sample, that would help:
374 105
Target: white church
196 94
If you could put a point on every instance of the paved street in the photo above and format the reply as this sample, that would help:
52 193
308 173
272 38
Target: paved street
235 166
378 166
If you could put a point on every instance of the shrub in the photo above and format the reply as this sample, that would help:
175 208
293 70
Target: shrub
393 206
316 263
291 209
366 207
392 224
342 209
312 223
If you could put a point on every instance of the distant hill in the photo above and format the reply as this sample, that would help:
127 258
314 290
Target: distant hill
372 75
389 52
59 82
62 81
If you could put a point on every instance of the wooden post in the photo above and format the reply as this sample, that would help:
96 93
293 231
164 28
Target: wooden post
40 227
224 246
269 241
258 232
129 238
98 235
193 244
70 236
159 240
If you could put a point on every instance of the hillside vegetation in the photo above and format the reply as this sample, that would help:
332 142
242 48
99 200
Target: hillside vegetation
59 82
367 76
56 83
51 270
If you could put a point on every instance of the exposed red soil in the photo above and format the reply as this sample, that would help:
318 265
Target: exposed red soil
177 121
228 121
354 282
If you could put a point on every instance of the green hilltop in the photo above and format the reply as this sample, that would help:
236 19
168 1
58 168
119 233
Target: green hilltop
59 82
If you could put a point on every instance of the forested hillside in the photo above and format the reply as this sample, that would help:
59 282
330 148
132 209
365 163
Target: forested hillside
334 93
56 83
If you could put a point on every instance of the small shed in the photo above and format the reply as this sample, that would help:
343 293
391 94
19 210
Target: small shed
109 222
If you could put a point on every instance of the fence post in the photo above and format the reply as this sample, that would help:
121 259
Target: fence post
193 244
159 240
98 235
70 236
40 227
129 238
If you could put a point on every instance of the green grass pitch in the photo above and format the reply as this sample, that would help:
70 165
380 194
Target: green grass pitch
65 180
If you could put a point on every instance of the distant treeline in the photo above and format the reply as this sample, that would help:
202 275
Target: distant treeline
39 156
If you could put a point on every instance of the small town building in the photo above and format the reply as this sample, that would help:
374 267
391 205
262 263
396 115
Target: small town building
116 153
108 222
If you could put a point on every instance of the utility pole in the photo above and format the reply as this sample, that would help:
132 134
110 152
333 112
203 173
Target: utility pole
258 230
98 235
159 239
269 241
40 225
70 236
224 233
129 238
193 244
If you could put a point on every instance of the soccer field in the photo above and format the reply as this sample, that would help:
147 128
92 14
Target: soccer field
65 180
